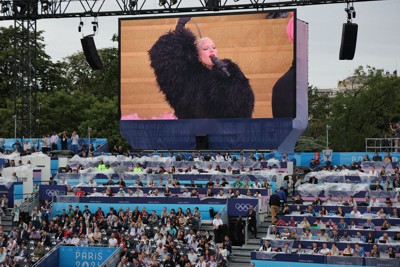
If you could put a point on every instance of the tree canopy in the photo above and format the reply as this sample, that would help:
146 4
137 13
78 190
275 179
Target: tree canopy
355 113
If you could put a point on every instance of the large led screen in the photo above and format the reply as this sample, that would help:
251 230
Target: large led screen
229 66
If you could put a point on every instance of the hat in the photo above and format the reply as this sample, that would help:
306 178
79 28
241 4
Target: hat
94 189
120 189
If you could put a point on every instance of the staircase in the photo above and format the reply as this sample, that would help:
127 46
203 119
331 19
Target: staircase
6 221
241 254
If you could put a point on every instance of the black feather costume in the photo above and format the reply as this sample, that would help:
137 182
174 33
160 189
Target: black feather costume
193 90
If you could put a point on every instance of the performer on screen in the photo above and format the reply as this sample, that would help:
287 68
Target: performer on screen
195 82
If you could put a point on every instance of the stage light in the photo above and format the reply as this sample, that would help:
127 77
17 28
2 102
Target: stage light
162 2
45 5
4 8
95 24
132 3
80 25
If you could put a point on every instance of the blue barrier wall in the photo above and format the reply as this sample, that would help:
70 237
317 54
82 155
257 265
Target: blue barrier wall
8 145
51 260
151 203
261 259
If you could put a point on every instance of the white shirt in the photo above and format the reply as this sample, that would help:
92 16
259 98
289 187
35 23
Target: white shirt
217 222
356 214
375 203
112 242
219 158
54 139
75 139
325 251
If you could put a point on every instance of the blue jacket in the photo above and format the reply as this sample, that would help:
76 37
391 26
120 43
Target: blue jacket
281 195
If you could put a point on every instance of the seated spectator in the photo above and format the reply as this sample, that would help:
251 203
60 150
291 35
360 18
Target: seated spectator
385 225
391 252
293 235
325 251
353 225
365 203
313 180
266 246
323 236
376 186
314 248
360 236
292 222
319 224
304 223
286 210
345 237
370 239
335 236
351 202
358 251
298 200
385 238
348 251
331 225
329 201
38 252
340 201
394 214
355 213
369 224
309 210
376 157
340 212
287 249
79 192
388 202
307 235
381 213
368 212
323 212
374 253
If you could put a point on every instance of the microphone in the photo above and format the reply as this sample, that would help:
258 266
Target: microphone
219 64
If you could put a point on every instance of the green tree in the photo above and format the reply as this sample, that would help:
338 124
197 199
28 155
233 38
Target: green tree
103 83
319 113
365 111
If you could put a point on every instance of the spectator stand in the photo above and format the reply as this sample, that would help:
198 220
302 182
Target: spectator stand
264 259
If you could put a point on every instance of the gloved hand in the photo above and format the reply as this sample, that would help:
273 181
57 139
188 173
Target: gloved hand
182 22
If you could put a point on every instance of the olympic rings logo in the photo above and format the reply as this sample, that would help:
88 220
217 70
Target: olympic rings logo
52 192
242 207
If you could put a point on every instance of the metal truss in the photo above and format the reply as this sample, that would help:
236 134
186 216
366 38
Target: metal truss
42 9
24 77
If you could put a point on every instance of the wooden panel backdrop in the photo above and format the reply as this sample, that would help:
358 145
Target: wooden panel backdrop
258 45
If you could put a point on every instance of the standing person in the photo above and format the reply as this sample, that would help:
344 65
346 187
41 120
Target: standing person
64 141
46 143
74 142
54 141
251 216
217 225
219 86
274 204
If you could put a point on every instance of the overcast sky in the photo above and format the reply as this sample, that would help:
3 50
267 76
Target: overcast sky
378 41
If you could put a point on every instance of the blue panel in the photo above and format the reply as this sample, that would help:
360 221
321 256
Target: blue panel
18 191
222 133
83 256
204 209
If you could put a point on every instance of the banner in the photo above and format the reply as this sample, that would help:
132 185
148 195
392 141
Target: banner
240 206
72 256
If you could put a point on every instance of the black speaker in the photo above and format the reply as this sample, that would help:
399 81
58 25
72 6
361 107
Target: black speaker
349 41
90 51
201 142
